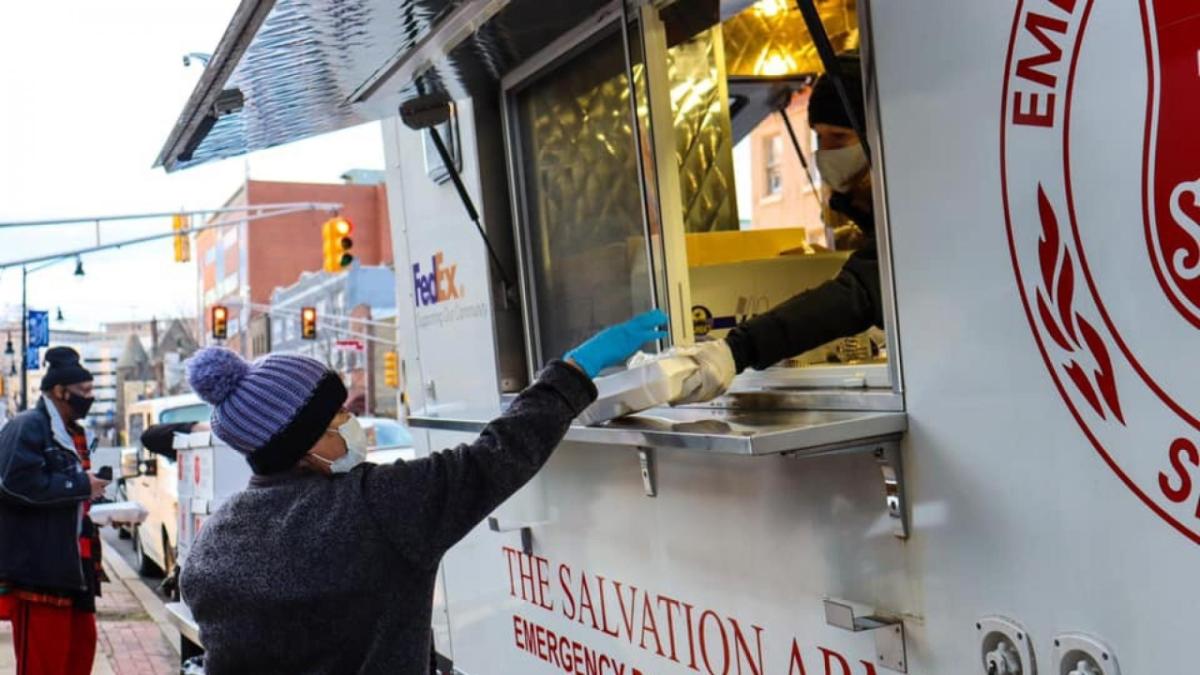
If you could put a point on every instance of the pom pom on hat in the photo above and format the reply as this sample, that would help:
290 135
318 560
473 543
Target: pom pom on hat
214 373
61 356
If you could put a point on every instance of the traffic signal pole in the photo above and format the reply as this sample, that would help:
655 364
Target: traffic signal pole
280 211
24 339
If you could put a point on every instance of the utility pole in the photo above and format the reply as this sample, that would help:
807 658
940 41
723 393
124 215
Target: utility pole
24 339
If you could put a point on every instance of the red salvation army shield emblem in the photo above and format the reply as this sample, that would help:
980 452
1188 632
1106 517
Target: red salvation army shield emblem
1100 164
1173 152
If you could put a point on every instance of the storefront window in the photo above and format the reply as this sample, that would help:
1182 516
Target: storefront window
774 165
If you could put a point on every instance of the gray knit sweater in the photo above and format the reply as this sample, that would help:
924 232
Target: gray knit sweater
306 573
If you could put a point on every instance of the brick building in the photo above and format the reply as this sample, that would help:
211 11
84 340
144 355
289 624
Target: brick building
242 264
782 195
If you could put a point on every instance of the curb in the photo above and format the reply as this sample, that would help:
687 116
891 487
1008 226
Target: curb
120 571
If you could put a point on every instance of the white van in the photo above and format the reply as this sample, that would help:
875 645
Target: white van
154 480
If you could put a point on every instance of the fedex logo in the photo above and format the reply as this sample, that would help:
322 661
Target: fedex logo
438 284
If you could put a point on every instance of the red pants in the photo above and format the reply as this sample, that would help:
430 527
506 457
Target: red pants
52 640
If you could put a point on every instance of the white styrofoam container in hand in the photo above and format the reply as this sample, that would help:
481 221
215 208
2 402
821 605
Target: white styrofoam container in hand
642 386
126 513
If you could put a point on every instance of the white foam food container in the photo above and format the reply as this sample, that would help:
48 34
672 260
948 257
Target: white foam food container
648 384
129 513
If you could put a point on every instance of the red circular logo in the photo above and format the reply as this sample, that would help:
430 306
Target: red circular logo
1100 171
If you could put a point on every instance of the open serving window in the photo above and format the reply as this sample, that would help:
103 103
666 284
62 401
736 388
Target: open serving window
662 157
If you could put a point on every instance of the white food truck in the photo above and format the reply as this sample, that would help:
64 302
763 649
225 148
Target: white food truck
1004 479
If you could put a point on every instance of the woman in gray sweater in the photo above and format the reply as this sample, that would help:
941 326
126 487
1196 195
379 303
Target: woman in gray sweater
325 564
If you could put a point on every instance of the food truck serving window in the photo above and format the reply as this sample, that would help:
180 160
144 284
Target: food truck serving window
731 218
583 242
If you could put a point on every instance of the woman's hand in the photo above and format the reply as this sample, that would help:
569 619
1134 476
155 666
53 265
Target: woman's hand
615 344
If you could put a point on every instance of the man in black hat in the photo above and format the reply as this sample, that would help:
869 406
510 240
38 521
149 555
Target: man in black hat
846 305
49 550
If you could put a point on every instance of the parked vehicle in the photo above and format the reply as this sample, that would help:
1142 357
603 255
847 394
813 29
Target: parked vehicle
110 456
388 440
152 480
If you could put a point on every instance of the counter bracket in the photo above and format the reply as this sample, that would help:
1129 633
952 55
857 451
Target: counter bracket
649 470
887 455
890 649
525 530
891 468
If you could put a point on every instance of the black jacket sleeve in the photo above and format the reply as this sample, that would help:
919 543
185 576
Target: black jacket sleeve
425 506
160 438
34 471
845 305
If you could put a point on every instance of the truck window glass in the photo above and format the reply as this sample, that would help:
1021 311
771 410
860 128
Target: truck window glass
137 424
580 201
199 412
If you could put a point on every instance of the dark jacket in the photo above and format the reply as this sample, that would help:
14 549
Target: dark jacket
307 573
160 438
42 490
846 305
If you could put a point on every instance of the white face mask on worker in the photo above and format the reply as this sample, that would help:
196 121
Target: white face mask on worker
840 168
355 438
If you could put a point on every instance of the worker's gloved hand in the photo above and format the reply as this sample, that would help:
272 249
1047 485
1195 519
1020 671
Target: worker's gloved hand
615 344
714 375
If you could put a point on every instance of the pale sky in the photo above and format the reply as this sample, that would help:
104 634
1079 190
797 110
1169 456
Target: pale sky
88 94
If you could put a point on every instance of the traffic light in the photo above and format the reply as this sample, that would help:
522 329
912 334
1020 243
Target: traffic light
220 322
308 323
391 369
336 244
183 245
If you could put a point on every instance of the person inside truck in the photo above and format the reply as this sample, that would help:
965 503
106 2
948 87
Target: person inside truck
845 305
326 564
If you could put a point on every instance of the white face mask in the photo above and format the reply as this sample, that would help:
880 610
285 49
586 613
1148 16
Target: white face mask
355 438
840 168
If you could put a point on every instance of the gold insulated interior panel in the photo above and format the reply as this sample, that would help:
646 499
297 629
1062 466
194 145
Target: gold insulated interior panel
582 201
703 133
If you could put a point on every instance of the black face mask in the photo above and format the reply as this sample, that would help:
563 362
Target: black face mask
79 405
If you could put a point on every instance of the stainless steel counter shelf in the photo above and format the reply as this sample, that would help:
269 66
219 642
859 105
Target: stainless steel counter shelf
748 433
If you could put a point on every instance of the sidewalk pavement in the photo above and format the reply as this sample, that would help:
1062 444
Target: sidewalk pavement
133 635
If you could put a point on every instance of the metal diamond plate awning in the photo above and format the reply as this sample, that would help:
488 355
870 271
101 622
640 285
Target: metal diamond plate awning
290 69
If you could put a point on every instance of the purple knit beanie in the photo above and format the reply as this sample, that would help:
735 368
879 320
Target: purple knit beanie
272 410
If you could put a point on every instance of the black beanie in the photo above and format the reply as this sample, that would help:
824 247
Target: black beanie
825 106
62 367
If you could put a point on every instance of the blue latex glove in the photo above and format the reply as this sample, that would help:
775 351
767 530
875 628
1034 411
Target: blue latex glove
615 344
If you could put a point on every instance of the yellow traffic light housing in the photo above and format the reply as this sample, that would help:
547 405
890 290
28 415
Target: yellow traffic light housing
183 244
391 369
220 322
308 323
336 244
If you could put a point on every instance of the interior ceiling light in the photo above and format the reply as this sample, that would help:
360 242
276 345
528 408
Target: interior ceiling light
771 8
774 64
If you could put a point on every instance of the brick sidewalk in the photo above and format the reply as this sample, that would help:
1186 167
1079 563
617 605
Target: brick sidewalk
128 637
129 642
